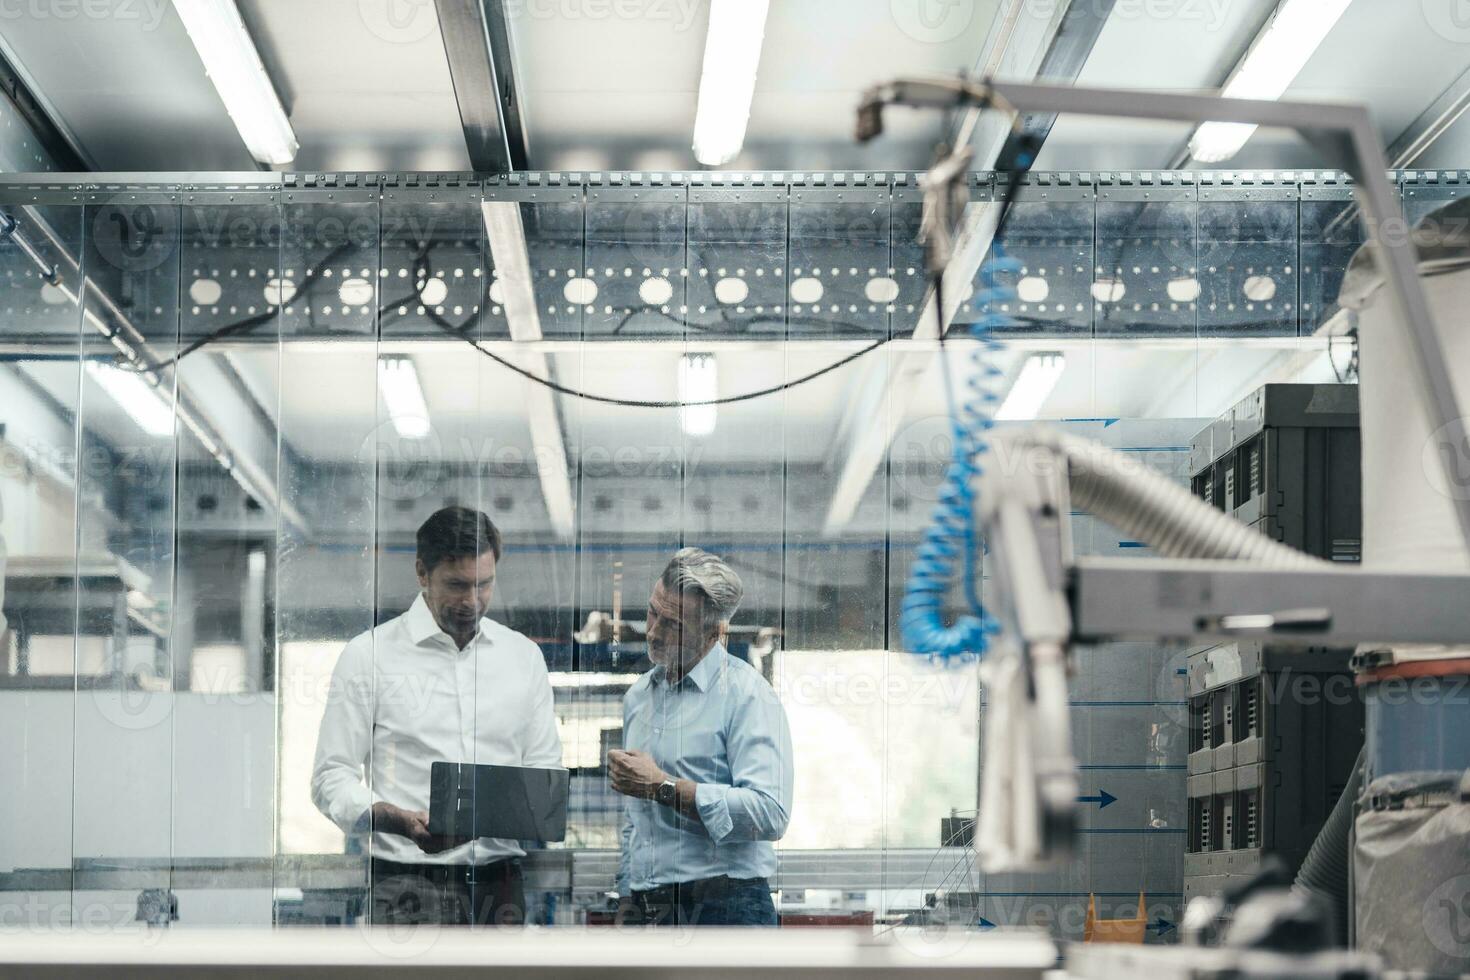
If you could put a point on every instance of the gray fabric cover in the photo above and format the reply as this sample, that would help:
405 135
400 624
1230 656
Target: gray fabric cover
1411 873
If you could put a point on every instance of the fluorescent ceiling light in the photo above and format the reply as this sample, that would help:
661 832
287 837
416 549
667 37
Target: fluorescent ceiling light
698 382
1272 64
732 52
136 397
233 65
399 382
1038 377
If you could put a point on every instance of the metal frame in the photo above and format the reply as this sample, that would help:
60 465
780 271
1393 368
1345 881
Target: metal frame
518 185
1081 26
59 143
1194 601
1344 134
477 44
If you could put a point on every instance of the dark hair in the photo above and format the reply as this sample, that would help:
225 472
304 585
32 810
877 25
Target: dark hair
456 532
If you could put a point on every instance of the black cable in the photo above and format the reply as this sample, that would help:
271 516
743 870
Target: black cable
454 331
460 333
239 326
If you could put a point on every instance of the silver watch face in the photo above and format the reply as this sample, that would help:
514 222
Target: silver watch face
667 792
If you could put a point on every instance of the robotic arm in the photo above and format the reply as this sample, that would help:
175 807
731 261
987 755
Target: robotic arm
1216 579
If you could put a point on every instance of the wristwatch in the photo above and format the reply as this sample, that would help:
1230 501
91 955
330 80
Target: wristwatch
667 793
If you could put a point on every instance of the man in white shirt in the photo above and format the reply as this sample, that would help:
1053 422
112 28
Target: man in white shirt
440 683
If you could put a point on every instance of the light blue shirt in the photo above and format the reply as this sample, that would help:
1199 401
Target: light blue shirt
723 728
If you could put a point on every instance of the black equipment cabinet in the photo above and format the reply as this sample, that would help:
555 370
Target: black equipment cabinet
1274 732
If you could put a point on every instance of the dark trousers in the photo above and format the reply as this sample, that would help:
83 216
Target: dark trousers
448 894
718 901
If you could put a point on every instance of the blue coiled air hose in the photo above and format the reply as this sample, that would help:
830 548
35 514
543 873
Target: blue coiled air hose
952 536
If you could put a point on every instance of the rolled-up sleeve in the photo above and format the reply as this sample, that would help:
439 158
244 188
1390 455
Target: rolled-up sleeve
756 806
344 742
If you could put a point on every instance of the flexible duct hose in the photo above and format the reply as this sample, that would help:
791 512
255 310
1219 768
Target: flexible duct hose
1154 510
1325 870
1108 484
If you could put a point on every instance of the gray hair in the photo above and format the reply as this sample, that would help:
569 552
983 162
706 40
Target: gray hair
715 582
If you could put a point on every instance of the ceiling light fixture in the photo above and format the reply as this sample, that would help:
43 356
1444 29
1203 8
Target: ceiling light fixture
732 52
399 382
1033 386
1296 30
698 382
233 64
136 397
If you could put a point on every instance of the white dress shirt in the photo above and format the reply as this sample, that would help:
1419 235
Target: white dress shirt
404 696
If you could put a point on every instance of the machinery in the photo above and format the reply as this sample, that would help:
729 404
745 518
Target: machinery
1267 764
1217 580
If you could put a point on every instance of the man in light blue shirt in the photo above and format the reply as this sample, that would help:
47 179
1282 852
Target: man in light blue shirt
706 763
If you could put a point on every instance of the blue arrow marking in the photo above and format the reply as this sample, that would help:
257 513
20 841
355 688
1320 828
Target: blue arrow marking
1102 799
1162 926
985 923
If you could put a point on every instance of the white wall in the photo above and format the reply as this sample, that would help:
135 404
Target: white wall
132 775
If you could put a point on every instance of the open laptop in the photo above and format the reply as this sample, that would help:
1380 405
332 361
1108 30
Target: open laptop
513 802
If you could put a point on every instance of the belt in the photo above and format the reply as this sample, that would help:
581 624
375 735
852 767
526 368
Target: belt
701 888
449 873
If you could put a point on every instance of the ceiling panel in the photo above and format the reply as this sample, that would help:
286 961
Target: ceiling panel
1393 61
366 83
611 92
131 89
1164 47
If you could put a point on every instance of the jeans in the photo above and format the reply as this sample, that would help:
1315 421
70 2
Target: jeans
710 902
